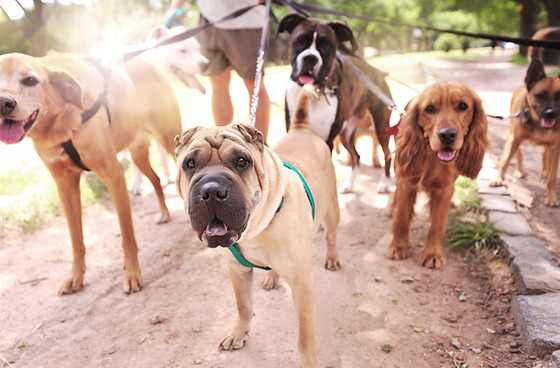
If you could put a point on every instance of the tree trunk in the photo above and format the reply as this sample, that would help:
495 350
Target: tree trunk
551 56
529 19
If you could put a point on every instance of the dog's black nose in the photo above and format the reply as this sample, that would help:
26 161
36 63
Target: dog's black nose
213 192
447 135
7 105
310 60
550 114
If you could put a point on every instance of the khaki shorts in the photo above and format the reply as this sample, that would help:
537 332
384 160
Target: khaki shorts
236 48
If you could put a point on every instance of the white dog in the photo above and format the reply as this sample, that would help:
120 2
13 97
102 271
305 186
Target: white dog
181 60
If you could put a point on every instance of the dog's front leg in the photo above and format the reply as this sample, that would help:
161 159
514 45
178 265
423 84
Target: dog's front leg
242 281
303 291
405 198
552 156
440 201
113 177
510 149
68 186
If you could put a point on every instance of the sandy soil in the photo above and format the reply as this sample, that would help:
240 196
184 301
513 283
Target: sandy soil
372 313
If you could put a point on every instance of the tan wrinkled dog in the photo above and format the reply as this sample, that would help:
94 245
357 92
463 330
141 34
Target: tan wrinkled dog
53 99
238 192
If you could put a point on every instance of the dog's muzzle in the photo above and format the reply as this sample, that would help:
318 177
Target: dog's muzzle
13 131
447 137
217 209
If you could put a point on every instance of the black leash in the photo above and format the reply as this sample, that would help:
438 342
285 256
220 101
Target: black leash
552 44
187 34
374 88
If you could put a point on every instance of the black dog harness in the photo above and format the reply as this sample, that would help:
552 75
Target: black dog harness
68 146
235 247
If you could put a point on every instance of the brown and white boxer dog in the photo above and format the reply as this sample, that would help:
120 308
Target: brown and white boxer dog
343 97
265 206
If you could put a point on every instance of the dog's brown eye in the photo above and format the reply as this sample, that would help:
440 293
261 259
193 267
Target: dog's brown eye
462 106
30 81
541 96
189 164
430 109
241 162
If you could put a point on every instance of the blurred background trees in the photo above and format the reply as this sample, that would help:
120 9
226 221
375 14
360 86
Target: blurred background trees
36 26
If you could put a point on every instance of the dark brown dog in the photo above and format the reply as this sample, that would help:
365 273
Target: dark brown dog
538 105
442 136
68 97
343 96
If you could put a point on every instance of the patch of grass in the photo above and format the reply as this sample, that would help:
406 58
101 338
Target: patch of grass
467 226
519 59
466 196
28 195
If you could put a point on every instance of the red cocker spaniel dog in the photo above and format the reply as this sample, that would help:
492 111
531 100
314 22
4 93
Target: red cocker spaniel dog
442 136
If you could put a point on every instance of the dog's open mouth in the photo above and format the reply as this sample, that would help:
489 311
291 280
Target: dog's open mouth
446 154
13 131
548 123
217 233
306 79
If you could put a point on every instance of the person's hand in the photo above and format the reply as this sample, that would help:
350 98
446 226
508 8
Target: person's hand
174 18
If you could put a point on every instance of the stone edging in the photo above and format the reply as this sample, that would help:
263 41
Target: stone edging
537 310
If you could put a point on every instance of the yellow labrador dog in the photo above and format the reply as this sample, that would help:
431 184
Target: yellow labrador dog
265 206
79 114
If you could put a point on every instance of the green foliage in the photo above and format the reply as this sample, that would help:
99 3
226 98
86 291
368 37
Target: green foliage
479 234
519 59
467 227
466 195
76 27
446 42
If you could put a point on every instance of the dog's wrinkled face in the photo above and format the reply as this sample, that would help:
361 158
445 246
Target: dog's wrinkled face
445 111
543 95
314 43
219 178
27 88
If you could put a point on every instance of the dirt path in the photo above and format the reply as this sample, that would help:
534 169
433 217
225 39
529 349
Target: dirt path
372 313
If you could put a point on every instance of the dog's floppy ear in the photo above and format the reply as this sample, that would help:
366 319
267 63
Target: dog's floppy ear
535 73
410 151
344 34
290 22
251 135
471 156
184 139
68 87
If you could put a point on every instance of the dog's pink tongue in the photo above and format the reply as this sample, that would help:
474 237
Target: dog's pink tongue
305 79
11 133
548 123
216 228
446 155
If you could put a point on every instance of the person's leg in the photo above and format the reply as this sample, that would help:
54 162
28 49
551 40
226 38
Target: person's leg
222 107
262 116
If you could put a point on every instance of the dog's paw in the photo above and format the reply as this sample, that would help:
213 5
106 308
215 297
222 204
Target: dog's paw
347 190
332 264
551 201
233 342
496 182
162 218
271 281
396 252
71 284
432 260
132 283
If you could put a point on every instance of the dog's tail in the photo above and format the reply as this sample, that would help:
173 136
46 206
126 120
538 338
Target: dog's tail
301 116
549 33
